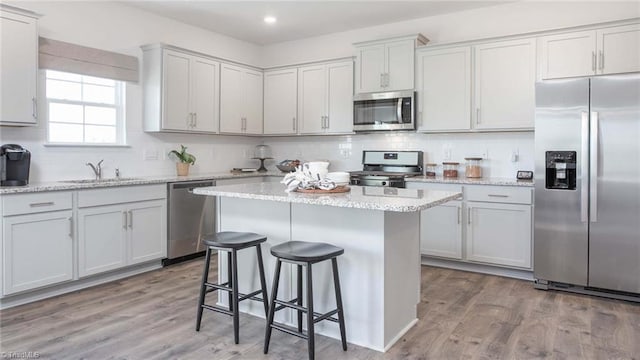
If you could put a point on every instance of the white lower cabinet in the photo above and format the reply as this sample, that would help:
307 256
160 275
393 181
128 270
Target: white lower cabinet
499 234
492 226
441 231
37 241
119 227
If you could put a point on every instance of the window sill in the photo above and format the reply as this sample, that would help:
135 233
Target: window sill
87 145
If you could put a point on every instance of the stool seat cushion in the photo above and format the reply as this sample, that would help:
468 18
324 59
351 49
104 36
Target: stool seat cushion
306 251
233 239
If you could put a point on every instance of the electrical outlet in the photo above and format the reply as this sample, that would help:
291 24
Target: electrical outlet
150 154
515 155
446 152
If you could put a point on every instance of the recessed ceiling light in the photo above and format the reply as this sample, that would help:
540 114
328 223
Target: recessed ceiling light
270 19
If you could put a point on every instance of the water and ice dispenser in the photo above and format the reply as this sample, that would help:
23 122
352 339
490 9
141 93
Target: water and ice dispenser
561 170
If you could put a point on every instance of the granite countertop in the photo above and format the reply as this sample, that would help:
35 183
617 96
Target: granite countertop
360 197
126 181
467 181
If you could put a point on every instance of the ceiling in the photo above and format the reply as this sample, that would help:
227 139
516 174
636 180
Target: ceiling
296 19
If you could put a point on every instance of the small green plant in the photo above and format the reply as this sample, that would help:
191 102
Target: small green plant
183 156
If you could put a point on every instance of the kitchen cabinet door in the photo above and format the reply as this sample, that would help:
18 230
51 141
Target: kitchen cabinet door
441 231
177 73
568 55
505 75
37 250
312 92
240 100
231 101
339 97
280 101
205 99
102 234
400 65
444 89
252 101
147 226
499 234
18 69
370 68
619 49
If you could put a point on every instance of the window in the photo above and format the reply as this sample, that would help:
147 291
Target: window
84 109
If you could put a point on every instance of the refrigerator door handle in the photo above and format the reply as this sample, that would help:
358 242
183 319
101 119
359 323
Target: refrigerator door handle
593 165
584 173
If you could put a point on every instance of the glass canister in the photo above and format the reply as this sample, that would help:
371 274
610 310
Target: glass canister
430 170
450 170
472 168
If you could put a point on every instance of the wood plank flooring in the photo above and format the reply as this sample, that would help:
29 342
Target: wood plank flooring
462 316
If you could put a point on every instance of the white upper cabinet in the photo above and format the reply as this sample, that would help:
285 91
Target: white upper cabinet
444 89
18 67
325 98
505 75
240 100
280 101
611 50
181 91
386 65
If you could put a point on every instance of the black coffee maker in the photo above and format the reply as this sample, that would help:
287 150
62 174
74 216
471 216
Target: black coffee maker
14 165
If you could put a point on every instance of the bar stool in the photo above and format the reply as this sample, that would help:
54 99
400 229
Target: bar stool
231 242
302 254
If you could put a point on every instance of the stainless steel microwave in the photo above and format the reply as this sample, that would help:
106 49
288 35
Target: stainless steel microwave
384 111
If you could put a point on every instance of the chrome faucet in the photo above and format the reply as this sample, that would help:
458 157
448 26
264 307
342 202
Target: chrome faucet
97 169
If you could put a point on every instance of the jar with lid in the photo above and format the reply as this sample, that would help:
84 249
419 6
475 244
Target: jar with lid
430 170
472 168
450 170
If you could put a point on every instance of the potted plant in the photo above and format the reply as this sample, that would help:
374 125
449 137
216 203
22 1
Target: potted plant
184 160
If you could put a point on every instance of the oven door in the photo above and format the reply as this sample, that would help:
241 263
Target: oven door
384 111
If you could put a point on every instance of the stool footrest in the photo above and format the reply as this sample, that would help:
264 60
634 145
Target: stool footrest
251 296
326 316
289 304
217 309
278 308
290 331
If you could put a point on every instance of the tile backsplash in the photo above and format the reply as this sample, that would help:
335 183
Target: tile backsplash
499 150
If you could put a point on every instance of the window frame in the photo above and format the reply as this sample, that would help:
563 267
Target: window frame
119 105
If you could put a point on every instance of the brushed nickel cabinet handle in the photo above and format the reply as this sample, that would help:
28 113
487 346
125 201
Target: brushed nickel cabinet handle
478 116
328 123
498 195
593 61
71 227
130 219
195 119
34 108
469 216
459 214
124 220
41 204
294 123
601 60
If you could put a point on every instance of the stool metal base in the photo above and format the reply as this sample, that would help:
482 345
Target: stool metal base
296 304
234 296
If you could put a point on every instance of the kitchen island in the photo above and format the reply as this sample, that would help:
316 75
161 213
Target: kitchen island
379 229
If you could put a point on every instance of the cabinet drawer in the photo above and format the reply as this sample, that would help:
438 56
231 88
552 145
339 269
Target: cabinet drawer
499 194
121 194
36 202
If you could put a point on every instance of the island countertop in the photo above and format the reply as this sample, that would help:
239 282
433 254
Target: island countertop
360 197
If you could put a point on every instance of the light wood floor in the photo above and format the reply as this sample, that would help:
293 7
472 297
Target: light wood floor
462 316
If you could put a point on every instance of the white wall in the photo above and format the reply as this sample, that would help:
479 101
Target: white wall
502 20
123 29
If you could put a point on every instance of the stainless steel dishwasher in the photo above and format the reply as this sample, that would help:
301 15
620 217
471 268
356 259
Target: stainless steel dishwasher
190 217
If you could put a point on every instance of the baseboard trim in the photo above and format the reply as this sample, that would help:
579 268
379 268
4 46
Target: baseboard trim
479 268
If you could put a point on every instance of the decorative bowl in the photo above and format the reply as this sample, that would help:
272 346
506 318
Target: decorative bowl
288 165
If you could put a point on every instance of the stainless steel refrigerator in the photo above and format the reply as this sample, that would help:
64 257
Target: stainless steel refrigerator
587 185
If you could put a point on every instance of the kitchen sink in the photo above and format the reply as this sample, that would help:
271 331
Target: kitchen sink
100 181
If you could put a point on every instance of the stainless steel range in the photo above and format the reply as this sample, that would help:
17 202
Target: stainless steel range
387 168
